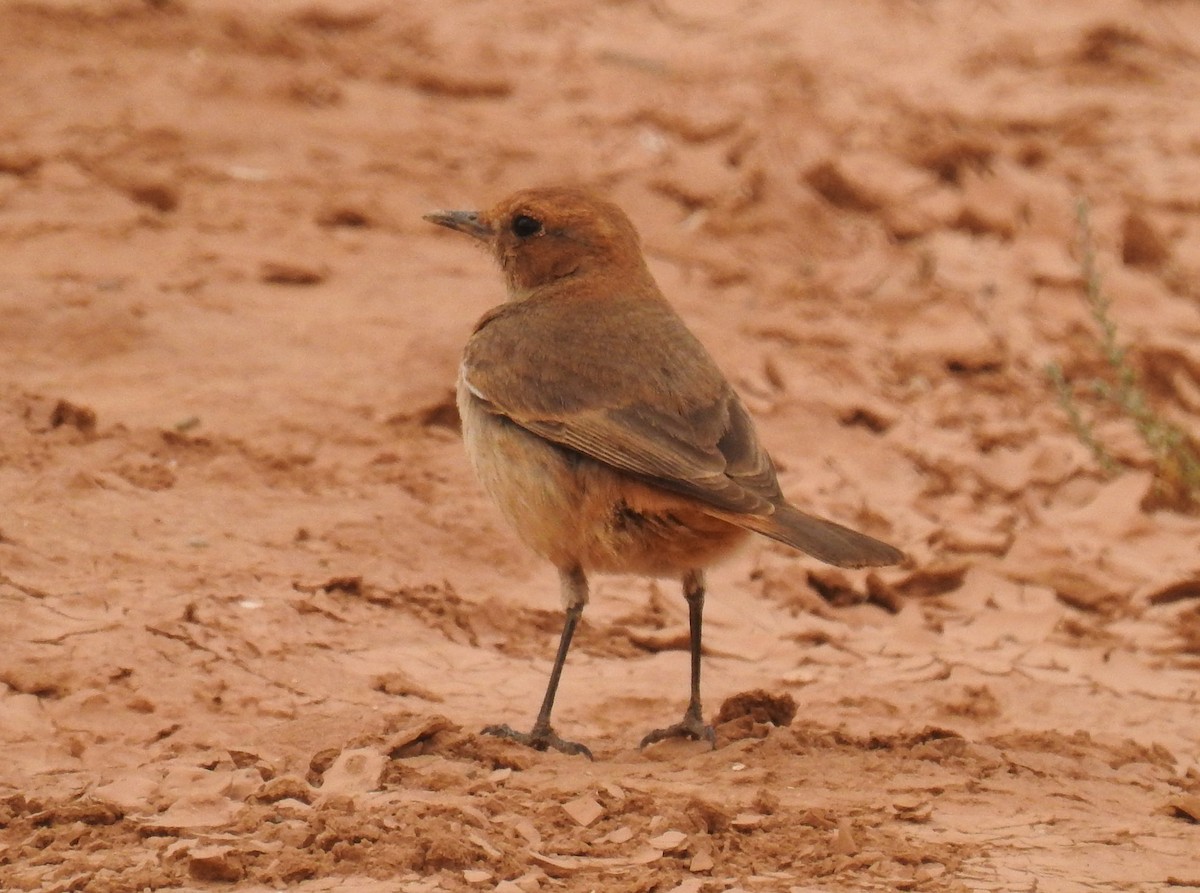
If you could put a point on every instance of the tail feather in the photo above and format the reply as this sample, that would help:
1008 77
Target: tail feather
824 540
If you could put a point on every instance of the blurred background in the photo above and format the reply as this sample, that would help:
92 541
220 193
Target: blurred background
255 607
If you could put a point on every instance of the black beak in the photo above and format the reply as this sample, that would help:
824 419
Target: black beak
464 221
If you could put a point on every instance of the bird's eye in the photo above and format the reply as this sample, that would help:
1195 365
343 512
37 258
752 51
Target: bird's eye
524 226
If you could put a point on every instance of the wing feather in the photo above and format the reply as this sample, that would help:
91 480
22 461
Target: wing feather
659 410
669 418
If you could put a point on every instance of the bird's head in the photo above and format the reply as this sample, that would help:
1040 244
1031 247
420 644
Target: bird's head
540 236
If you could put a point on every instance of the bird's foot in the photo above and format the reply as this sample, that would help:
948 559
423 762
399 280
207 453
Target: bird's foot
540 738
692 726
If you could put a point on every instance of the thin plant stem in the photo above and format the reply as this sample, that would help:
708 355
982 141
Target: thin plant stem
1175 454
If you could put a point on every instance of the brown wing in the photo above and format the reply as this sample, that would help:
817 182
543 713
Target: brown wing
643 396
635 390
715 460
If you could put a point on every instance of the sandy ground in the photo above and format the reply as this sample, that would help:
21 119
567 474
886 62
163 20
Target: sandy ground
255 610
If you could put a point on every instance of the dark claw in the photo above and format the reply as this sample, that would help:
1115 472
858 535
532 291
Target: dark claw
539 739
691 727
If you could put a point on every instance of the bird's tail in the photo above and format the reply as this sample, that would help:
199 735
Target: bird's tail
824 540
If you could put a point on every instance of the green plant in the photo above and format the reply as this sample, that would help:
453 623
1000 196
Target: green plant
1173 451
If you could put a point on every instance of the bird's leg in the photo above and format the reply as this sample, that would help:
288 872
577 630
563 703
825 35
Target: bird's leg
693 725
541 736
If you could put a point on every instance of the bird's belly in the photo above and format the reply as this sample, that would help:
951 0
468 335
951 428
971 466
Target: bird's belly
577 512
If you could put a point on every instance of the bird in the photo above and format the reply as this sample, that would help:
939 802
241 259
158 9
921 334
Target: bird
606 433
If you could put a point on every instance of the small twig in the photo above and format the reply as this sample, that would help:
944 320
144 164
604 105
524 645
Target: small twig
1080 426
1175 455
